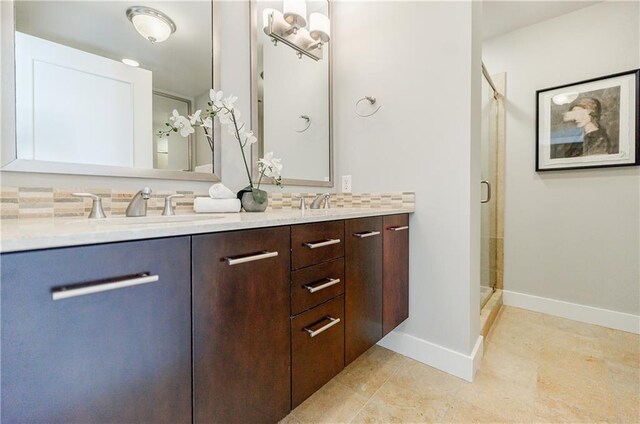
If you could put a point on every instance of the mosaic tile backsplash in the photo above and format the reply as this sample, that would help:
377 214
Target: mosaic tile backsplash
47 202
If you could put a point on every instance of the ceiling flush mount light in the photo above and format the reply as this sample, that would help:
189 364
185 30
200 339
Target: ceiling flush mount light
131 62
152 24
289 27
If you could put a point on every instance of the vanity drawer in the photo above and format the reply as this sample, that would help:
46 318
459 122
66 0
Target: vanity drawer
316 284
317 338
315 243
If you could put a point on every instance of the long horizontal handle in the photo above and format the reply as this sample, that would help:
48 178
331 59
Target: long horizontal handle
404 227
333 321
250 258
329 283
322 243
81 290
367 234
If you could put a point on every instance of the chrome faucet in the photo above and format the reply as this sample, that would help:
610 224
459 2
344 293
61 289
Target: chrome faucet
138 204
320 200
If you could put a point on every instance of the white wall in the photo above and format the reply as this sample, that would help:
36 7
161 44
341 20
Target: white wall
418 59
569 235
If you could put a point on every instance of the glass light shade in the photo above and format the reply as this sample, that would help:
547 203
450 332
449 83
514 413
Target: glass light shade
150 23
278 19
319 27
151 28
295 12
131 62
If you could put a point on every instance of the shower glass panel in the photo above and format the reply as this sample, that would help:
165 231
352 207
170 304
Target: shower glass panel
488 211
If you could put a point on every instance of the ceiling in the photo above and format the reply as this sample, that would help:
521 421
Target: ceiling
181 65
500 17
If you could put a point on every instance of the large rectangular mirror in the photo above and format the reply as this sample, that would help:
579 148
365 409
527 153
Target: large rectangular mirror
96 81
291 89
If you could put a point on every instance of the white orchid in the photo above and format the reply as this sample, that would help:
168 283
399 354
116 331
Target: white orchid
181 124
224 108
247 137
271 167
195 117
229 101
216 98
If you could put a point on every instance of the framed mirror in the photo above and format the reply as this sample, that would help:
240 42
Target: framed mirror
291 88
96 81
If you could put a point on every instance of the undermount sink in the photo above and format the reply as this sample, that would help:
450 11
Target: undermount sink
143 220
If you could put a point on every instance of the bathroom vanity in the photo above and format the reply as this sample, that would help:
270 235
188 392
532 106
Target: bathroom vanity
233 319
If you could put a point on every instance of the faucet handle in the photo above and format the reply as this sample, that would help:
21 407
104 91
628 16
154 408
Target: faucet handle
303 202
96 208
168 206
327 200
146 193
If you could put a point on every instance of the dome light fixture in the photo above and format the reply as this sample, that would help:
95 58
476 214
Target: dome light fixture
130 62
151 23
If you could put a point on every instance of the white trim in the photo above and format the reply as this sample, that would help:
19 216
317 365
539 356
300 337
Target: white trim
440 357
583 313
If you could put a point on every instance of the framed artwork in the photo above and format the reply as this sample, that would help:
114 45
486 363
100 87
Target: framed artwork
589 124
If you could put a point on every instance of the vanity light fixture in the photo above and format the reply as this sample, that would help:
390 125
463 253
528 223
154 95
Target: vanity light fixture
131 62
289 27
151 23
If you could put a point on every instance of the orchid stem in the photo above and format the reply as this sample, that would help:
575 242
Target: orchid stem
246 166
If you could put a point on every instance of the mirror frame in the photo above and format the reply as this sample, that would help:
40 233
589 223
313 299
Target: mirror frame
257 149
9 160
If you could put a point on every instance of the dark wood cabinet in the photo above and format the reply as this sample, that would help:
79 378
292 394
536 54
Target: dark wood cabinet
226 327
317 348
114 345
363 285
241 326
315 243
395 268
316 284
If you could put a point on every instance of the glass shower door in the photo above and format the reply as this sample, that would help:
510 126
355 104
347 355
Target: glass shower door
488 155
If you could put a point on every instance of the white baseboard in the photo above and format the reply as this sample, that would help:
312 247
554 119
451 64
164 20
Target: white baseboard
442 358
588 314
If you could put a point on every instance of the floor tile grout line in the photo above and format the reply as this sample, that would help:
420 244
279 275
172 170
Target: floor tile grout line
377 390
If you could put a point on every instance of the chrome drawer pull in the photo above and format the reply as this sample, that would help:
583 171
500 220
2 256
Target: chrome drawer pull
329 283
405 227
250 258
324 328
81 290
322 243
367 234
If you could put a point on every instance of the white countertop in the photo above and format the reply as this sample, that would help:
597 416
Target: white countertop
32 234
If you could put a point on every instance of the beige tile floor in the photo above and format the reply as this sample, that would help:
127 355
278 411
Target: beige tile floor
536 368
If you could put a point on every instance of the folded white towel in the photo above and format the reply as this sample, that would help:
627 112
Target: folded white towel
208 205
219 191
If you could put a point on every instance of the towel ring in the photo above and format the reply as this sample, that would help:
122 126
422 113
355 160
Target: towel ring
372 101
305 117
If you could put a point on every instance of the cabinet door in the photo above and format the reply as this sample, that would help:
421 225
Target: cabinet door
363 289
318 348
241 334
95 355
395 266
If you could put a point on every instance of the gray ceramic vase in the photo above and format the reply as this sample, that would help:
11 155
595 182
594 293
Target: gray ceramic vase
249 204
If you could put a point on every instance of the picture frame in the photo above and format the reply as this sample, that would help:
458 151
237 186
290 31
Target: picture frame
589 124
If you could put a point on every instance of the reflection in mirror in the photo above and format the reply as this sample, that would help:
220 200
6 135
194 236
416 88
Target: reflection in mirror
97 80
293 98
